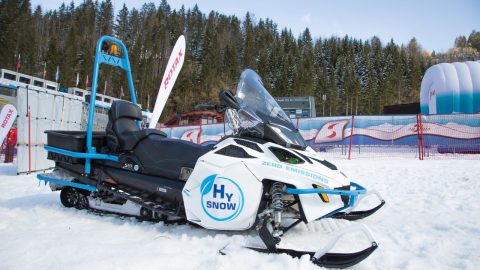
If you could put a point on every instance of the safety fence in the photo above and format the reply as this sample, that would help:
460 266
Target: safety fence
455 136
39 110
406 136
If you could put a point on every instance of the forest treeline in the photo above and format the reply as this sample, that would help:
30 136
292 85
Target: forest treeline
357 76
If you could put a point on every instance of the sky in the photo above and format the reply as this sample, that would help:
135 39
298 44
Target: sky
434 23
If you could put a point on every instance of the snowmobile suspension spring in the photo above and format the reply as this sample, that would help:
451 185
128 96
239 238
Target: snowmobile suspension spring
277 202
277 194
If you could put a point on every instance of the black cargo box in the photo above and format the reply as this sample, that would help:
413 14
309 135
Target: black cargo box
73 141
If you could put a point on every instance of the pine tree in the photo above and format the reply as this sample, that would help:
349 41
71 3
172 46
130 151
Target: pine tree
306 84
210 51
474 40
122 28
69 66
249 51
105 18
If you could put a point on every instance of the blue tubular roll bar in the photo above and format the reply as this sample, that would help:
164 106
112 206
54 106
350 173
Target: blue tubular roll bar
111 60
353 194
358 190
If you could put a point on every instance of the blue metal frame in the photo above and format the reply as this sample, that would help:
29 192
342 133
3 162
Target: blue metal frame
80 154
358 190
353 194
111 60
45 178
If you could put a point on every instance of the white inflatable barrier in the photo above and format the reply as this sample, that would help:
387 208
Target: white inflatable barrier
451 88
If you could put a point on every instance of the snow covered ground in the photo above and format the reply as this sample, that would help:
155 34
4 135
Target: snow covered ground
431 221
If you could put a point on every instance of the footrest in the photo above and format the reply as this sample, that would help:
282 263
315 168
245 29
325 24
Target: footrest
64 182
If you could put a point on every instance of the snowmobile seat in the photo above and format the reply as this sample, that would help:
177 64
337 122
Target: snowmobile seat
157 154
170 158
123 132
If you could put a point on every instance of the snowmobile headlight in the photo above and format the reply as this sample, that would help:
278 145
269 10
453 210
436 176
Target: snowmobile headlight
323 196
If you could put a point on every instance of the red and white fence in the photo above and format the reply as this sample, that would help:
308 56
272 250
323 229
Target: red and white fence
382 136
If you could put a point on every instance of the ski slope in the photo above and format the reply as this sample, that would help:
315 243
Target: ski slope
431 221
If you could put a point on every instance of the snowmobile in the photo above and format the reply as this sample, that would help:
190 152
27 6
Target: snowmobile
262 176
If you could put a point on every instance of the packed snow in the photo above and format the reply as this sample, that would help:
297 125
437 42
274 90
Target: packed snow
431 221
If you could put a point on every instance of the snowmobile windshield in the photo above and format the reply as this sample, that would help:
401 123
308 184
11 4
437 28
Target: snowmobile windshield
261 113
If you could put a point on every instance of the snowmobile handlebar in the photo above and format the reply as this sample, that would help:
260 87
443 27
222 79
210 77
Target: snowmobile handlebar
210 107
227 100
205 107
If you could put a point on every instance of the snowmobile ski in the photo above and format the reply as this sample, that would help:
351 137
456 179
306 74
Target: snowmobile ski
322 257
352 215
328 260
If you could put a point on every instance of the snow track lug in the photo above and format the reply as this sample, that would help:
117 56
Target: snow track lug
155 209
82 201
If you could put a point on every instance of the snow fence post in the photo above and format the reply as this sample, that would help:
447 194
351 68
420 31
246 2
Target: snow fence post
29 141
29 133
418 139
199 135
351 137
419 136
422 145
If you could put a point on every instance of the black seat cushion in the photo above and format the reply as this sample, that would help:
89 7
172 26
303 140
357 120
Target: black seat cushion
123 132
157 154
166 157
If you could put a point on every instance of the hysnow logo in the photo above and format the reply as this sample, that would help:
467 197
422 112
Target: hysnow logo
222 198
